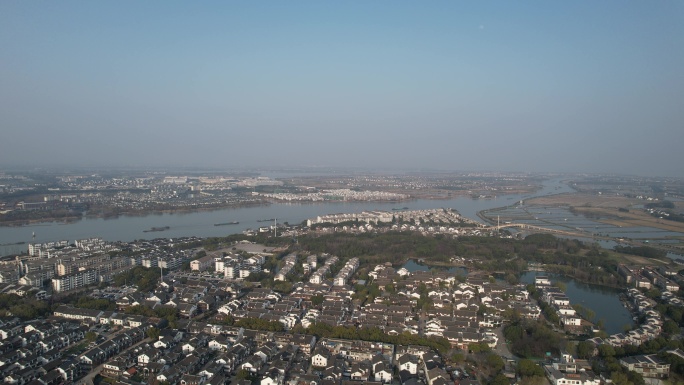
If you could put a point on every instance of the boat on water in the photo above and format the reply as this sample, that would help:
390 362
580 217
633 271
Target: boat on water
266 220
226 223
163 228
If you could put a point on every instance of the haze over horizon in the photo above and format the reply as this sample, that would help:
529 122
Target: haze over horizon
531 87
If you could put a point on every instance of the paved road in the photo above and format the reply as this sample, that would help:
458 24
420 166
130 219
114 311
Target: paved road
501 345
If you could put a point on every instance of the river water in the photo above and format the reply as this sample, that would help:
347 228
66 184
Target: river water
201 223
603 301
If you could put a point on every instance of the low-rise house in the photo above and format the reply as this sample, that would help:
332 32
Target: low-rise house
252 364
219 343
321 357
92 357
84 315
649 366
272 377
382 372
190 379
567 372
360 371
170 375
409 363
114 368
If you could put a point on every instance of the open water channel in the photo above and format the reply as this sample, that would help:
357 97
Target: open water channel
201 223
603 301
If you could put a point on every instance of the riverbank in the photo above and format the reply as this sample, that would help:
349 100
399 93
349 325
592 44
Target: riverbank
559 219
39 221
200 222
126 214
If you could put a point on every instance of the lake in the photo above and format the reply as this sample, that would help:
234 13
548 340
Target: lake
412 266
603 301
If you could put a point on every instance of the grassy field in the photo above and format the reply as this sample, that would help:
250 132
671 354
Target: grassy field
637 260
604 209
583 200
633 218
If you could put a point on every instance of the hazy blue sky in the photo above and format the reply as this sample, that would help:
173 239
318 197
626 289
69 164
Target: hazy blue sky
591 86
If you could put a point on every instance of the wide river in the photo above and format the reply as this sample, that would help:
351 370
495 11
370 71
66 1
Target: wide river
201 223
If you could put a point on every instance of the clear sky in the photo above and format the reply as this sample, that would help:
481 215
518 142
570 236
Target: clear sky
586 86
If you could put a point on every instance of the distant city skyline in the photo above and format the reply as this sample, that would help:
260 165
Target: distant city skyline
589 87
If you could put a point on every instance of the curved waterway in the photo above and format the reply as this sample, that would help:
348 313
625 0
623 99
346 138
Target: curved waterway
603 301
201 223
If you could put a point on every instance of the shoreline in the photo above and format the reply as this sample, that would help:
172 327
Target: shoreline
266 202
67 220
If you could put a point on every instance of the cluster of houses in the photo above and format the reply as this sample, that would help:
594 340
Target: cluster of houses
189 297
436 217
435 221
462 309
648 330
35 351
648 277
230 265
289 262
336 195
69 266
472 231
555 297
568 372
346 272
22 290
198 353
322 272
453 314
360 360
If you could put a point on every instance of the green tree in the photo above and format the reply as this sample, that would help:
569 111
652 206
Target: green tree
561 285
512 279
457 358
153 333
494 362
499 379
585 349
317 300
653 293
670 327
479 347
619 378
528 368
534 380
91 337
242 374
606 350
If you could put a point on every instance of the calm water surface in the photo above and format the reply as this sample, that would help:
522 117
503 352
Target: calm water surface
603 301
413 266
201 223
